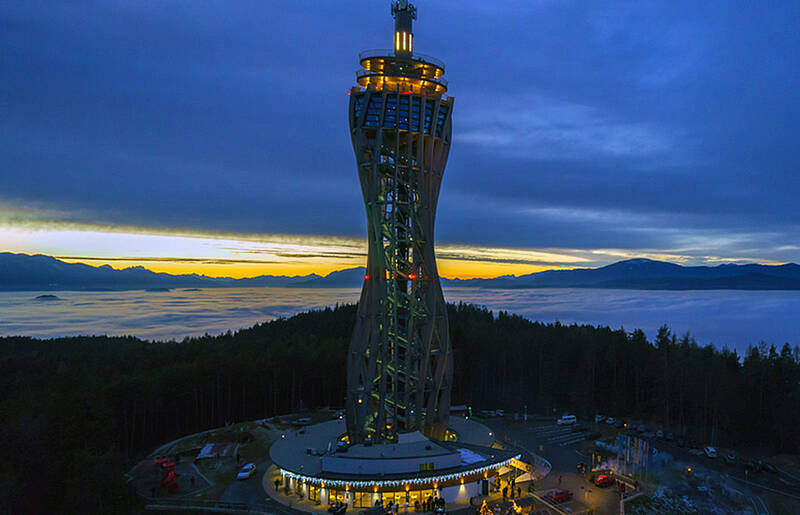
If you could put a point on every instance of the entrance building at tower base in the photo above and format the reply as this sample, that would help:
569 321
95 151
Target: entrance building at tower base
314 465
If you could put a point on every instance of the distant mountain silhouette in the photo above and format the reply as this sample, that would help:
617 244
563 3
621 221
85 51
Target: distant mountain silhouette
349 278
647 274
38 272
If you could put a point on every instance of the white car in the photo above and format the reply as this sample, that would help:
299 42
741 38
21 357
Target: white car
599 418
247 471
566 420
710 452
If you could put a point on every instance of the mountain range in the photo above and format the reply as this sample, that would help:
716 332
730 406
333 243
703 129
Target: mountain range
39 272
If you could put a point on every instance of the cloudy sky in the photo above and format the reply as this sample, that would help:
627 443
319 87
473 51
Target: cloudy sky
211 136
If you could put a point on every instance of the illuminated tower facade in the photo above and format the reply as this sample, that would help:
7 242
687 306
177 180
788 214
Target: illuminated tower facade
399 367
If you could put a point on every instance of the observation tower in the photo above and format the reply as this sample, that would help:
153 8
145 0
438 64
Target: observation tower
399 366
397 442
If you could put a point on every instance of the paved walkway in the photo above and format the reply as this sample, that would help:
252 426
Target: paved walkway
248 491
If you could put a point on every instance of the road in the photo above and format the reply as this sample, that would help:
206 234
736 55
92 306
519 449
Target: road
564 459
251 492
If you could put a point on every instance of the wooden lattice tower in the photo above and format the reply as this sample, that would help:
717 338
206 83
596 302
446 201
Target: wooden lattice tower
399 368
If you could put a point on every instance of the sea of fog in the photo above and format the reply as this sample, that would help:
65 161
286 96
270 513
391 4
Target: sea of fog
733 318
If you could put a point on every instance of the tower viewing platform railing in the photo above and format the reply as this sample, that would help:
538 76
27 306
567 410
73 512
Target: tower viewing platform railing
366 73
386 52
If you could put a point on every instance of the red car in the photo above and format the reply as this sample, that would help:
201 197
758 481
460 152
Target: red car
557 496
604 480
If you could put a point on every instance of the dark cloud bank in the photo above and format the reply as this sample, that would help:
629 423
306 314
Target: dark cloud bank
659 125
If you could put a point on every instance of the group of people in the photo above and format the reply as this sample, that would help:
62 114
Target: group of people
511 489
430 504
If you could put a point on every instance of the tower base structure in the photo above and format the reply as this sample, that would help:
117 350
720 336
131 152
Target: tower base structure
317 464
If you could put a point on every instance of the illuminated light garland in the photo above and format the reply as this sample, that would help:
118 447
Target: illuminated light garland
398 482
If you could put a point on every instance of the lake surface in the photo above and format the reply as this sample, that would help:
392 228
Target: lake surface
720 317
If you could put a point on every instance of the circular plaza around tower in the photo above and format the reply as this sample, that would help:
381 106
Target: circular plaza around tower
316 464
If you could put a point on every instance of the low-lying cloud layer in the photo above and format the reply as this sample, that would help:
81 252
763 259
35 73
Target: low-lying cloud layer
733 318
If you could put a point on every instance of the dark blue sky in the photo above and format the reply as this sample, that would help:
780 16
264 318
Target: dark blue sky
654 127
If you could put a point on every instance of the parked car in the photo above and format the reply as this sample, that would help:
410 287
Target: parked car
567 420
247 471
659 434
648 435
670 437
302 421
619 423
710 452
730 459
611 421
557 496
599 418
603 480
641 428
500 413
696 452
337 508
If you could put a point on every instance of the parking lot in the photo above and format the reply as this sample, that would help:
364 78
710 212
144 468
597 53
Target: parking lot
558 445
562 445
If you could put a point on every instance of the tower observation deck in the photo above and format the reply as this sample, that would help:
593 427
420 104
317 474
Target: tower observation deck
399 366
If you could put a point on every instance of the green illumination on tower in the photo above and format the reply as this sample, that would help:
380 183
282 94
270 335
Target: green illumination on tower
399 368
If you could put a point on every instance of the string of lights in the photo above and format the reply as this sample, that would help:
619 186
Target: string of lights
339 483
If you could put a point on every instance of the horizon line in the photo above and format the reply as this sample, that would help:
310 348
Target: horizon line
106 261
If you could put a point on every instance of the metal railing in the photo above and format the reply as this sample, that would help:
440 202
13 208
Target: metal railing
383 52
366 73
